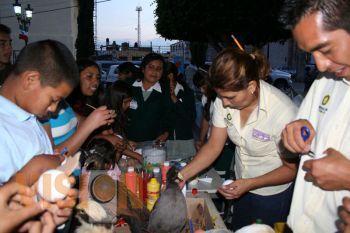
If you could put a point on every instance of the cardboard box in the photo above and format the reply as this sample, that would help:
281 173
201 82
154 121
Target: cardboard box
203 213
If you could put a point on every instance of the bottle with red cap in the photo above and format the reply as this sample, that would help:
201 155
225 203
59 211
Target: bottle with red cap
165 169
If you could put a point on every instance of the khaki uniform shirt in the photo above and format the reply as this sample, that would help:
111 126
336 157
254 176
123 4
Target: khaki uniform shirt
257 143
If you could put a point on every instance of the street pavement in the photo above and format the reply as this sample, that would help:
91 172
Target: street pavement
298 87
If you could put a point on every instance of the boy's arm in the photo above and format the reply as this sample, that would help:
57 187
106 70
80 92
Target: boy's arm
30 173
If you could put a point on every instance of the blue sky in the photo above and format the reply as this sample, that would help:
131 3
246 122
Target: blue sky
117 20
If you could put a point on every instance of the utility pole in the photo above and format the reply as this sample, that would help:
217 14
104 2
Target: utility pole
95 24
138 9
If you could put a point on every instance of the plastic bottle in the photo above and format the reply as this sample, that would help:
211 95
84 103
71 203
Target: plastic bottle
153 188
165 169
146 176
157 175
130 179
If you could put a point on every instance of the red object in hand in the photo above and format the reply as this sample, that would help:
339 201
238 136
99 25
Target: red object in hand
194 191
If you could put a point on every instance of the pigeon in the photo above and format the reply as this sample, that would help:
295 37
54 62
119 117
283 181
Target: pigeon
169 214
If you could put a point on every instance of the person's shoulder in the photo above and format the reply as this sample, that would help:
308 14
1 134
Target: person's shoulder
276 99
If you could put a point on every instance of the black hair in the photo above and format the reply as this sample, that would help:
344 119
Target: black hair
98 154
51 59
127 67
5 29
201 79
171 68
113 99
85 62
335 13
151 57
77 99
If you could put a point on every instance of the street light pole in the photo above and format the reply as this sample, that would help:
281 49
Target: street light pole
23 20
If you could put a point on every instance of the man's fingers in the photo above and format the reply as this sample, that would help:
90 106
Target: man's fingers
346 203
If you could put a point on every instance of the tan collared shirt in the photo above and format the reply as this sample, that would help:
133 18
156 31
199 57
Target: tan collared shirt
327 107
257 152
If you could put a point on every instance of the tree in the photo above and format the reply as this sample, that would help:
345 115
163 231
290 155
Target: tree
85 40
198 52
253 22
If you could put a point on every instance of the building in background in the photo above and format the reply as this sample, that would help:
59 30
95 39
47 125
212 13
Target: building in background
182 49
54 19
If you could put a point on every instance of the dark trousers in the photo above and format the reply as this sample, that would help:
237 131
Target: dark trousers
270 209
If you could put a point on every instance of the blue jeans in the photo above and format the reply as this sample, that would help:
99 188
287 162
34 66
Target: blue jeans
270 209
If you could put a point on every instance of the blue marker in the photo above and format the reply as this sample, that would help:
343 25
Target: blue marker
305 133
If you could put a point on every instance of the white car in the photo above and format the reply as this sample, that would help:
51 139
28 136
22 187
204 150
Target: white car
280 79
112 74
283 81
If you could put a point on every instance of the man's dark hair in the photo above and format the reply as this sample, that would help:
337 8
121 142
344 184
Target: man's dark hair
335 13
51 59
5 29
126 67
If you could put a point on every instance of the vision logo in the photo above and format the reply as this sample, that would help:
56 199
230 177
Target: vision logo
325 99
228 119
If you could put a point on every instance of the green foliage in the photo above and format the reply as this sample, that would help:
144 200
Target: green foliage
85 40
251 21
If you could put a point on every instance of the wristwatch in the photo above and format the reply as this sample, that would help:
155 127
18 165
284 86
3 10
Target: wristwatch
180 176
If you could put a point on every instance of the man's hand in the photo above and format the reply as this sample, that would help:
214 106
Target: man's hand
330 172
291 136
343 224
162 138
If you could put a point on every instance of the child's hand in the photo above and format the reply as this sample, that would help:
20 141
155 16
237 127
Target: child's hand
12 212
99 117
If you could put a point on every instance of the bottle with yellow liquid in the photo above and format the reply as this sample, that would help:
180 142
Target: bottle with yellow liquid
153 188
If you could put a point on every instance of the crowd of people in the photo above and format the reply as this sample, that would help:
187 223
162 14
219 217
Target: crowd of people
50 102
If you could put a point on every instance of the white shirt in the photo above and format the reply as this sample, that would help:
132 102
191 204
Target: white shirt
156 86
327 107
257 151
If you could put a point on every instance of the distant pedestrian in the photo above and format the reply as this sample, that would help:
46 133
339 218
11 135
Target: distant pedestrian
5 52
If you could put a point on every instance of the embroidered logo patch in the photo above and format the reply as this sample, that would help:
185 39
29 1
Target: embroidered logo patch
260 136
228 119
325 101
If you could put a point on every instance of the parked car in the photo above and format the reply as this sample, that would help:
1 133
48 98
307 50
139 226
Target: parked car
283 81
280 79
112 74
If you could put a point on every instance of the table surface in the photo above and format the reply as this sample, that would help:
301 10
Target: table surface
202 186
